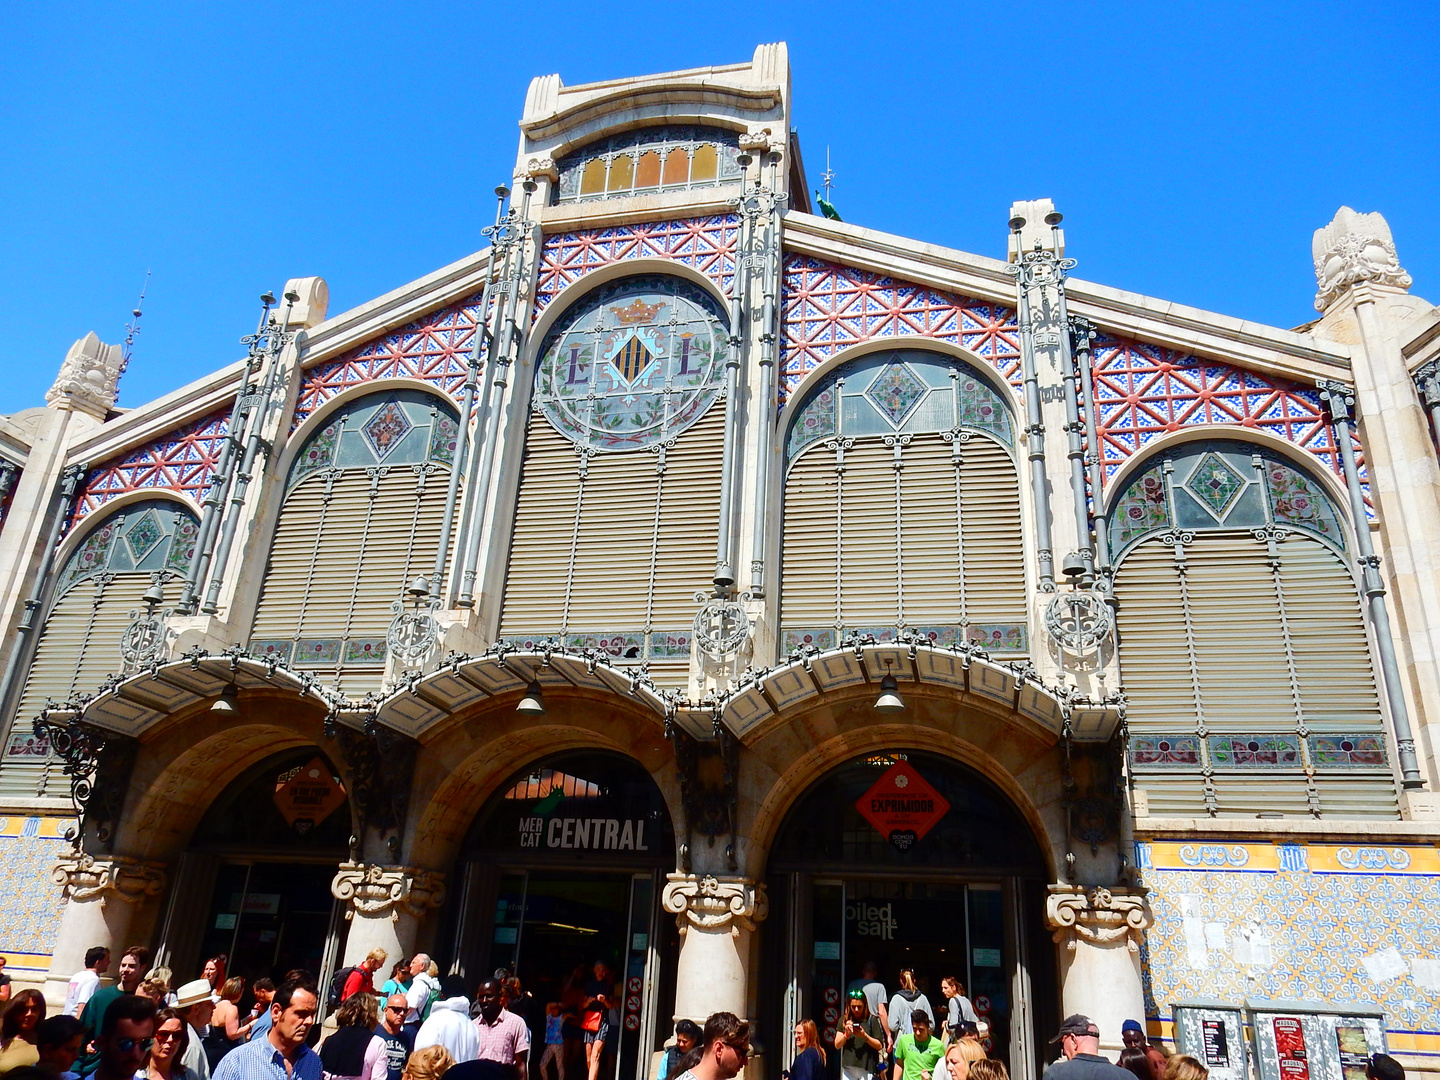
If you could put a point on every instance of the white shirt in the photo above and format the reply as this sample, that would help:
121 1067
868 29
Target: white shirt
83 985
450 1026
419 995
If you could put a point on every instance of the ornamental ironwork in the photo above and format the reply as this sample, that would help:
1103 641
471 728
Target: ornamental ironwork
1080 621
721 627
413 632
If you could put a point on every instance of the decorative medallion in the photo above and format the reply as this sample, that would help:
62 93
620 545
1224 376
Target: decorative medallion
144 535
633 364
895 392
142 639
386 428
721 627
413 633
1080 622
1215 484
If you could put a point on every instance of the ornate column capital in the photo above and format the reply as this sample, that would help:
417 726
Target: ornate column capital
715 903
1352 249
83 878
1097 916
542 168
374 890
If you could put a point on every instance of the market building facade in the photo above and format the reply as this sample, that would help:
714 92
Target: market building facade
733 594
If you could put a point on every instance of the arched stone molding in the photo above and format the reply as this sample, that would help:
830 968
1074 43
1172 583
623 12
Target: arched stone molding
984 368
673 102
1311 465
461 765
1026 772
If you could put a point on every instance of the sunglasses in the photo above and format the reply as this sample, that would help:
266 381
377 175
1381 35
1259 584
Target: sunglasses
740 1051
126 1046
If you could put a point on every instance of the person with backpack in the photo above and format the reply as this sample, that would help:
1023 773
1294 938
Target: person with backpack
424 991
349 981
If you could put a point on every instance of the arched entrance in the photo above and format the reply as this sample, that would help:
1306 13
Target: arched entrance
910 859
564 866
254 882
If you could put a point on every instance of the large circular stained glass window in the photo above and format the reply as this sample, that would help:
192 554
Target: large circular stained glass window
633 364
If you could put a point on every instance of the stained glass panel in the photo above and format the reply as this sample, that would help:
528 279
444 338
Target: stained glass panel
156 535
633 363
402 427
650 159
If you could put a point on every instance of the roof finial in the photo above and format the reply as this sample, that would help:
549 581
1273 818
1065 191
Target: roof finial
132 328
828 179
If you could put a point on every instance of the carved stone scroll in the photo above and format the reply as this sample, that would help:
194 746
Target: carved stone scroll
714 903
1097 916
376 891
84 878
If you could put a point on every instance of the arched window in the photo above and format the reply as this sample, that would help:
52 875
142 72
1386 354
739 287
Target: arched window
1242 647
902 507
649 160
361 518
617 515
97 593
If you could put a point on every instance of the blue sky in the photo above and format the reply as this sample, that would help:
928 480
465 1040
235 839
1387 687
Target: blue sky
1192 147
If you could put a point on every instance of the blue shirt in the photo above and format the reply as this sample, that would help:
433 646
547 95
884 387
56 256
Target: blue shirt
262 1026
259 1060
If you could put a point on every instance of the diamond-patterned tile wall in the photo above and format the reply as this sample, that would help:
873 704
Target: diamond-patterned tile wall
179 461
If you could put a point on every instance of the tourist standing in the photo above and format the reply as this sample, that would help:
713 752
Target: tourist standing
687 1037
957 1007
1079 1041
504 1038
59 1041
429 1064
423 990
86 981
171 1037
724 1048
17 1030
282 1053
449 1024
264 991
194 1003
600 999
399 980
809 1063
134 965
917 1052
392 1031
906 1000
226 1029
1132 1034
861 1039
354 1051
362 978
875 998
126 1037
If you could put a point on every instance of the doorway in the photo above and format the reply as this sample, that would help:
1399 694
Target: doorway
909 859
564 867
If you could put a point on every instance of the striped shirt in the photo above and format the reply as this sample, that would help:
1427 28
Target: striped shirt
505 1039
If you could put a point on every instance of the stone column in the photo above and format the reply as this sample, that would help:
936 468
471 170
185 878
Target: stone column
1099 931
716 915
384 906
102 896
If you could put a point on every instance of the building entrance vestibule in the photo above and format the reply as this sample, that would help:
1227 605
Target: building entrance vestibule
564 868
964 898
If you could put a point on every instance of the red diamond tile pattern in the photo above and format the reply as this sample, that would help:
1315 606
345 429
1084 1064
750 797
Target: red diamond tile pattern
826 307
435 348
179 461
706 244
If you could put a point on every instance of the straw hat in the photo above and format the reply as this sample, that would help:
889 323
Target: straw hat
192 993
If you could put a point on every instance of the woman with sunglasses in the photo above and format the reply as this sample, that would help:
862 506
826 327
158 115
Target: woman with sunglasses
17 1030
171 1038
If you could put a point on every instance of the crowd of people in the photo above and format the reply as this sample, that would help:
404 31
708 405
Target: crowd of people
417 1026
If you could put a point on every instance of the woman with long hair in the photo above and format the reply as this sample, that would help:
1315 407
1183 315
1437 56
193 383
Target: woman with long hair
906 1000
214 971
172 1036
227 1031
354 1051
17 1030
809 1063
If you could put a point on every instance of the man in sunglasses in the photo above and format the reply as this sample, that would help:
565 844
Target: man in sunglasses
725 1047
126 1035
392 1030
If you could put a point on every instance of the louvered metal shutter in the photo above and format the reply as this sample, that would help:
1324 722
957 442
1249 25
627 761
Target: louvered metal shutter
1154 661
809 552
869 561
544 526
79 646
612 555
930 575
689 532
994 546
337 566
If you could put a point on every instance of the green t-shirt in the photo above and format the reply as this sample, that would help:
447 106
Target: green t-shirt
918 1059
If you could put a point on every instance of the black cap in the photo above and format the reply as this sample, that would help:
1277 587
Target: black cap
1076 1024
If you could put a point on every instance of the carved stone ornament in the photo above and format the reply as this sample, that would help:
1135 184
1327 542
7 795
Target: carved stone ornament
1097 916
83 878
714 904
375 890
1354 248
1080 621
721 627
89 378
542 167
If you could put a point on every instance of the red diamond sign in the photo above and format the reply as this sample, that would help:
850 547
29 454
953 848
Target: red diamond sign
902 806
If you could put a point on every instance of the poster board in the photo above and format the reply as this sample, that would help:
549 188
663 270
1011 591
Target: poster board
1213 1032
1313 1040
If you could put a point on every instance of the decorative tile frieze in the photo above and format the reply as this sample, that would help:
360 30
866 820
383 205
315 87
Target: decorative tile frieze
180 461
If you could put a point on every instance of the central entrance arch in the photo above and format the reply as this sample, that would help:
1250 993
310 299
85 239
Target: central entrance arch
563 867
956 888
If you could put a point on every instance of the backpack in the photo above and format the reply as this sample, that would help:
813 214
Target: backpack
336 993
430 1000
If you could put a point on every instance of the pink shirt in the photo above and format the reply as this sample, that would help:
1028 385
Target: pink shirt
504 1040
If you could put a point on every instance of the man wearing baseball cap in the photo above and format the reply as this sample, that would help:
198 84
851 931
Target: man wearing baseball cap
1079 1041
